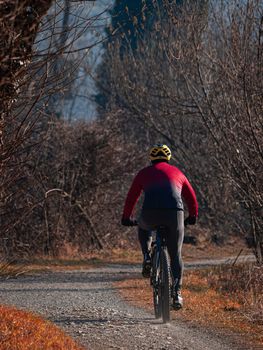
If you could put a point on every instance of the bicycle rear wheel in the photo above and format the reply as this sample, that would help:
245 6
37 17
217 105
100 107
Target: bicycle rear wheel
155 282
165 284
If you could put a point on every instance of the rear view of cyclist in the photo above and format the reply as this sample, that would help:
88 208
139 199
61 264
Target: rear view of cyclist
164 186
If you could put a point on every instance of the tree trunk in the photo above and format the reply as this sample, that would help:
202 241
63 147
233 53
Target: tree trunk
19 23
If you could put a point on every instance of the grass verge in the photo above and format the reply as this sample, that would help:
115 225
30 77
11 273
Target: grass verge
244 283
11 269
20 330
124 255
225 298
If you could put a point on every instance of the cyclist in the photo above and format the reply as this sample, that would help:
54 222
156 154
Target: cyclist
164 186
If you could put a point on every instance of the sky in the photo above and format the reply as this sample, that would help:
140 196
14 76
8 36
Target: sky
86 22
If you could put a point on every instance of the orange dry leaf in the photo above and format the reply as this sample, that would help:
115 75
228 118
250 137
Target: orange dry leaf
20 330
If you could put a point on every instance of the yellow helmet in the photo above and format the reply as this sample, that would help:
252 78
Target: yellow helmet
160 151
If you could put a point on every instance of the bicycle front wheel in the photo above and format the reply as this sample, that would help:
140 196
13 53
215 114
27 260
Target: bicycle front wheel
165 284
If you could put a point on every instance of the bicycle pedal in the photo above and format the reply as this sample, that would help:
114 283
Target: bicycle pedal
146 270
177 306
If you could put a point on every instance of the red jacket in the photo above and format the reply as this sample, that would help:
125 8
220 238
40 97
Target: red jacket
164 186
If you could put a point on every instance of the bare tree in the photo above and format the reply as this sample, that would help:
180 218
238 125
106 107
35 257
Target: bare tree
196 82
38 61
229 99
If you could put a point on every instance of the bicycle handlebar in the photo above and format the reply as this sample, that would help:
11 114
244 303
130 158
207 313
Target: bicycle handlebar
135 223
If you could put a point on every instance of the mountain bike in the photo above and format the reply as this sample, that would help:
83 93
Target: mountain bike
161 278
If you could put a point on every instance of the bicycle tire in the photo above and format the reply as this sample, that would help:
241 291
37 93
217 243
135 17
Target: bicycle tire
165 284
156 285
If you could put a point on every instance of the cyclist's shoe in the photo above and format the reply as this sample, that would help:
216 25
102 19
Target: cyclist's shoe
146 268
177 300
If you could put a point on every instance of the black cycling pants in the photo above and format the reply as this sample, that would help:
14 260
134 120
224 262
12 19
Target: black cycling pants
174 221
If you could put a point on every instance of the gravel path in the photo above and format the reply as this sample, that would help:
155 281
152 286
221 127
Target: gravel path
87 305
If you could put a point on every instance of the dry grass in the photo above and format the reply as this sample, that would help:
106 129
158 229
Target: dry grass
20 330
11 269
245 284
124 255
208 305
89 260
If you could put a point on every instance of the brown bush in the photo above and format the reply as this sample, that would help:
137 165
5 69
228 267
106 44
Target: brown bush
72 191
244 282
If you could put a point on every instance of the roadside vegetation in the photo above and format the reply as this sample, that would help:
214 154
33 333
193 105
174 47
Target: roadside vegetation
11 269
244 283
24 330
226 298
127 254
182 73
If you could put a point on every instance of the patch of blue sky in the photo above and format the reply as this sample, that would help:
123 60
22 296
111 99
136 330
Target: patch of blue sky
77 29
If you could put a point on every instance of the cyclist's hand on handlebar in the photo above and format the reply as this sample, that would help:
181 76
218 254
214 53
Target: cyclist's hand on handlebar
191 220
128 222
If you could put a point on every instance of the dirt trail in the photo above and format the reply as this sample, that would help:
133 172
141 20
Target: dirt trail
87 305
